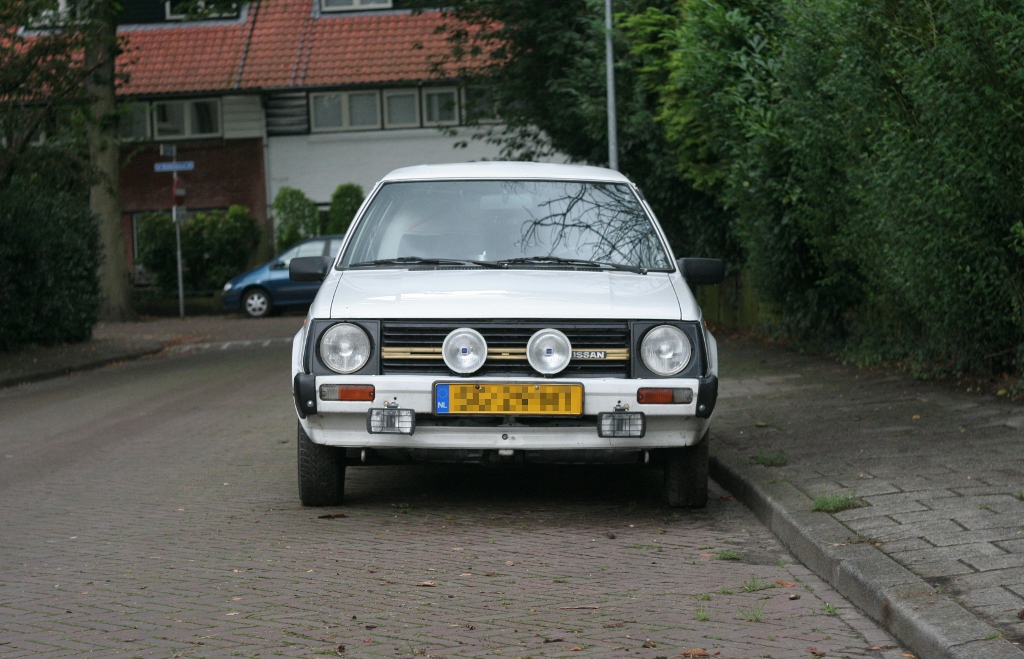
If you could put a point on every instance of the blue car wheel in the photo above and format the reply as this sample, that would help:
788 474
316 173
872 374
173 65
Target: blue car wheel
257 303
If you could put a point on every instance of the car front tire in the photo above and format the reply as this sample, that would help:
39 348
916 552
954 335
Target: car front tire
257 303
686 475
321 473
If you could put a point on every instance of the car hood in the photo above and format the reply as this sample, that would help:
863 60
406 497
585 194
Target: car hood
386 293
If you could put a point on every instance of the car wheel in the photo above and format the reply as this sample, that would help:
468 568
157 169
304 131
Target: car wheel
686 475
321 473
257 303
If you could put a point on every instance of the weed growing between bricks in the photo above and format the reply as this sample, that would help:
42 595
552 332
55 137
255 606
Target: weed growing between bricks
834 503
777 459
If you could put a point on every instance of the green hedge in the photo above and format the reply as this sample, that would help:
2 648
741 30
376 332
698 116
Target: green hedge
49 254
868 156
215 246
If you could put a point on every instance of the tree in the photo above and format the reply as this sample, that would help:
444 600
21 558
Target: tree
297 217
540 69
345 201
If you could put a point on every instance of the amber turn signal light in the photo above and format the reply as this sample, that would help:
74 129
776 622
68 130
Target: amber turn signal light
347 392
652 396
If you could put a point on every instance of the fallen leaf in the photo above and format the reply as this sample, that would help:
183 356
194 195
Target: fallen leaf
696 652
794 596
367 640
610 535
509 563
233 613
761 424
1020 614
785 584
649 644
916 416
371 626
1001 392
489 574
458 549
609 625
726 497
553 640
340 650
575 648
707 555
467 574
470 627
815 652
907 654
429 584
332 516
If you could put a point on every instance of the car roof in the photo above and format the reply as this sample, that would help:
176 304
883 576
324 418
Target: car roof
490 170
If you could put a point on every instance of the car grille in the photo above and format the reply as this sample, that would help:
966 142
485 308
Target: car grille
414 347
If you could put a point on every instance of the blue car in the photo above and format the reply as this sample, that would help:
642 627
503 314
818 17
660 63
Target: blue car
258 292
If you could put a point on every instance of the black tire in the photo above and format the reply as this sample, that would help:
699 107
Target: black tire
686 475
321 473
257 303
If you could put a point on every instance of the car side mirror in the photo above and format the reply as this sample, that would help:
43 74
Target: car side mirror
702 271
308 269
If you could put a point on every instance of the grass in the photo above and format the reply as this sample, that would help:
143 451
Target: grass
830 609
724 591
701 614
703 597
729 555
1019 495
833 503
754 614
754 584
777 459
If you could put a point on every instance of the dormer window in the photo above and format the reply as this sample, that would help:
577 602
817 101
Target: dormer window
175 10
354 5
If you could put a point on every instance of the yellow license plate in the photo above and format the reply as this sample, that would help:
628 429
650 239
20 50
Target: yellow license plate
483 398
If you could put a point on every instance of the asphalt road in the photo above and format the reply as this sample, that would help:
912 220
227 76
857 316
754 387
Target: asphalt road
149 509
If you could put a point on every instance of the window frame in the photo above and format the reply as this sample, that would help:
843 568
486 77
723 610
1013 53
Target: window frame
189 133
357 5
401 91
424 91
170 16
346 118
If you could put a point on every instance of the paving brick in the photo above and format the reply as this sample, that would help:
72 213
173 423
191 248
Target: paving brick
125 507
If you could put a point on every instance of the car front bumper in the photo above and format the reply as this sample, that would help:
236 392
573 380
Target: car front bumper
344 424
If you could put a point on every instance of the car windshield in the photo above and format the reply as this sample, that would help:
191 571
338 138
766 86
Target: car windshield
511 223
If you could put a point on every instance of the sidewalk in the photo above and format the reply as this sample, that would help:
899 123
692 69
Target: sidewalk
118 342
936 553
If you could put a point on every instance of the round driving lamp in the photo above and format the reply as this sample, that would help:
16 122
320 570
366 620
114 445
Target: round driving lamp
665 350
548 351
464 350
344 348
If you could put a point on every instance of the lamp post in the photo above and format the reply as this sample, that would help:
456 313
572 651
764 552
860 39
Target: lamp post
609 63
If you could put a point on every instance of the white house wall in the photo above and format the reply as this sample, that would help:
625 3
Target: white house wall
319 162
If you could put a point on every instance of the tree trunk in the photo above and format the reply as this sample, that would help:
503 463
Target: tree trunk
104 196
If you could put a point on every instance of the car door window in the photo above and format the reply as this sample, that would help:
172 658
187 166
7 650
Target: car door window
332 250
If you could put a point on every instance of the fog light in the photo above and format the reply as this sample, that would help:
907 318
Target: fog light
650 396
346 392
621 424
390 421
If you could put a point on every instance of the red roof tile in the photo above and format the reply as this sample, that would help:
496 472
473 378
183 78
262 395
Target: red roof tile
281 44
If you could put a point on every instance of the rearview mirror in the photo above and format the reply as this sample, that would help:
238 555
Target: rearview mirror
702 271
306 269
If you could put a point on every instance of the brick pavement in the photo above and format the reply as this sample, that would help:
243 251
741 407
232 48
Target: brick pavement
150 510
941 470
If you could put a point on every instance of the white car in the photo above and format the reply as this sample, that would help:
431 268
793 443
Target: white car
504 312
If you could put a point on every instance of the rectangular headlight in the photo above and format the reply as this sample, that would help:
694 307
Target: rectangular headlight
621 424
390 421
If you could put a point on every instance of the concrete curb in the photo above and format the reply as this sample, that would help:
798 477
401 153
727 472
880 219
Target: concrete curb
143 350
929 624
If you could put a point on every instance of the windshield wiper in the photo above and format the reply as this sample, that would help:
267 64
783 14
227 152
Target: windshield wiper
417 260
557 260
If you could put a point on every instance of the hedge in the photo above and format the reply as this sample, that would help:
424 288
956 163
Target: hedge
49 255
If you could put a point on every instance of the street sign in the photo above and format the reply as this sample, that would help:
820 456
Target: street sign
178 213
183 166
169 150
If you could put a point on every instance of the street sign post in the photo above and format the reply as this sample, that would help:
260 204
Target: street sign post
183 166
177 212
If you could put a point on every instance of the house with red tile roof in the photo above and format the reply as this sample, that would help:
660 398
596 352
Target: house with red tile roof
302 93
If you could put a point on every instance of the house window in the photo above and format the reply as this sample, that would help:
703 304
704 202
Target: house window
440 106
401 108
175 10
199 118
358 110
479 106
354 5
134 122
